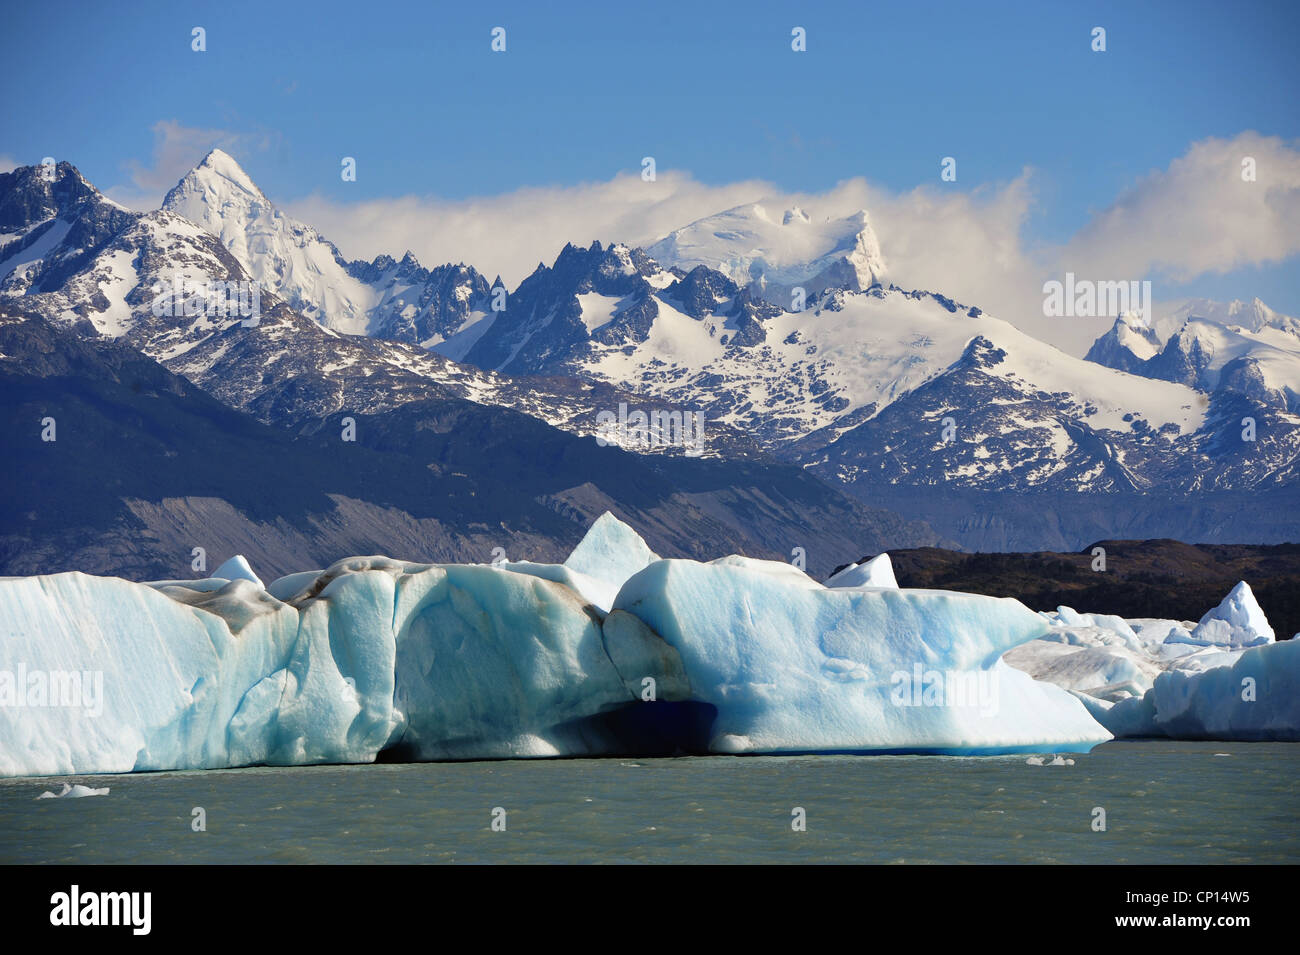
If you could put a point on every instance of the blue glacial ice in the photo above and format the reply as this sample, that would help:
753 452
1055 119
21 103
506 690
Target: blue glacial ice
610 552
445 661
791 666
614 651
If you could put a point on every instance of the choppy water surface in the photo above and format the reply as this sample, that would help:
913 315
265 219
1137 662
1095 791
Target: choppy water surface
1165 803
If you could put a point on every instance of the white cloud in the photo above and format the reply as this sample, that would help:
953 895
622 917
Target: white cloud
966 245
176 150
8 163
511 233
1198 216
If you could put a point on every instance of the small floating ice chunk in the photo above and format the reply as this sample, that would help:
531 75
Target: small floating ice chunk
73 792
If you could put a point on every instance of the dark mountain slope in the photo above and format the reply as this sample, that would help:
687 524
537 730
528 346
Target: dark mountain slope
146 466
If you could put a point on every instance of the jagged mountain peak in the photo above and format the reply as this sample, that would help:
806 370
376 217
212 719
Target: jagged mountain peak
217 177
1253 316
285 256
34 194
1241 347
1126 346
52 223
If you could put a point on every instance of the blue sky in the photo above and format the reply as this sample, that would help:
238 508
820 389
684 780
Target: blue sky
712 89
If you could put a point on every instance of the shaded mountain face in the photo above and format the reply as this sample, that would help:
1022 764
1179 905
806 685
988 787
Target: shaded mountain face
290 371
547 325
998 521
1151 578
143 467
422 306
52 222
1126 346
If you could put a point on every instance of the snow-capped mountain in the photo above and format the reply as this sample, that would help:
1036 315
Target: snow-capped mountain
426 307
287 257
384 298
65 262
776 251
868 384
595 295
84 261
1253 316
1126 346
52 221
820 386
861 385
1240 347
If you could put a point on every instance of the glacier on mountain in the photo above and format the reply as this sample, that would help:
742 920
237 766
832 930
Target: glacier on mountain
753 245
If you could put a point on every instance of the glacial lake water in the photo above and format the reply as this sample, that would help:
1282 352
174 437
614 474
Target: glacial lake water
1165 802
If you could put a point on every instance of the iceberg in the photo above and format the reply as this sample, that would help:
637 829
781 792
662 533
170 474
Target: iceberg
1222 678
236 568
73 792
1236 622
796 668
611 552
615 651
435 661
1255 697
